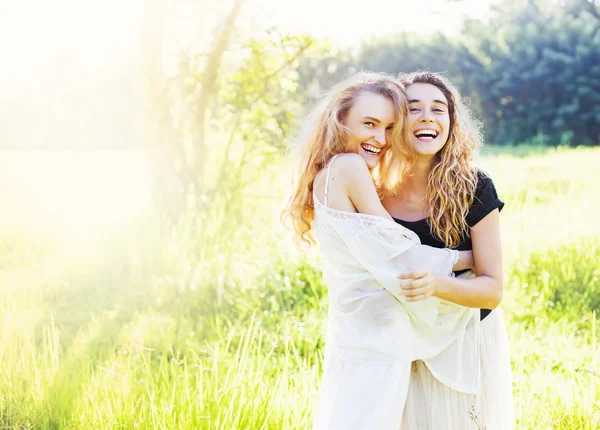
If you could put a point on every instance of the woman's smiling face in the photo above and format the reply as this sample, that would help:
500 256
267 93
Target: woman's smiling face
370 121
428 118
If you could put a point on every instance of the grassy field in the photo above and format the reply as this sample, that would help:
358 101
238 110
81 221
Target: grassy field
108 320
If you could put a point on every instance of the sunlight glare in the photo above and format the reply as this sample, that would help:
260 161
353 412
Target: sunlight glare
349 22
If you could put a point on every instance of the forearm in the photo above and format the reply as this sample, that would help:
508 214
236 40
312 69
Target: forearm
439 261
479 292
465 258
465 261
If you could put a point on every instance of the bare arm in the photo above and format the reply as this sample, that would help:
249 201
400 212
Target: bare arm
358 185
483 291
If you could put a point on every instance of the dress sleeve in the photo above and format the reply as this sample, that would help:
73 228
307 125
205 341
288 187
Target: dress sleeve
485 201
386 249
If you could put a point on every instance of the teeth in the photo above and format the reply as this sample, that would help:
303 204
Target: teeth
371 149
426 133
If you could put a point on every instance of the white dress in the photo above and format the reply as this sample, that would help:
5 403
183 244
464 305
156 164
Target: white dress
431 405
374 334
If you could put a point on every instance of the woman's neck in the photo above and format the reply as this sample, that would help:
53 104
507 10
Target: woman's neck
416 182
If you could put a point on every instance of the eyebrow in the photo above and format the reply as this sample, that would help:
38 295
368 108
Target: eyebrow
373 119
435 101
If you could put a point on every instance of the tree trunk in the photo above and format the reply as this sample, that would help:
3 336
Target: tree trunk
172 173
160 138
208 88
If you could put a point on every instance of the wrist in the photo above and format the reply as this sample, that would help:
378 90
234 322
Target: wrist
457 259
441 285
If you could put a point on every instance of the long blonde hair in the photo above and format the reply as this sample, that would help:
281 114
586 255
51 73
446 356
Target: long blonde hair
453 177
327 136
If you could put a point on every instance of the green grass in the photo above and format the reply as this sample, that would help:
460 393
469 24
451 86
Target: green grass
153 329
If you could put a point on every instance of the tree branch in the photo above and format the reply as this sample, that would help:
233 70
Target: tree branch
208 85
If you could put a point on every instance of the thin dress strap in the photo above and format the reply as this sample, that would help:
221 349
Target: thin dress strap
327 180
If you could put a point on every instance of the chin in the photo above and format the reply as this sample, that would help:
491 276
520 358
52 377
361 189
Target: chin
425 149
426 153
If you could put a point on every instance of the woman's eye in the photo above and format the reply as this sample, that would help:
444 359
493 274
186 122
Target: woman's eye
390 128
369 124
413 110
438 110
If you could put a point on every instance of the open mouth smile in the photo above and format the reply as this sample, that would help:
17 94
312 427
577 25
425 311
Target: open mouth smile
426 134
370 149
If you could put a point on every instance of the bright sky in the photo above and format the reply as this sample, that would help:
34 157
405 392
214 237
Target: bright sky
348 22
33 33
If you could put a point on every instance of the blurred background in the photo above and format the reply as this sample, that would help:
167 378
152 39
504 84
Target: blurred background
145 278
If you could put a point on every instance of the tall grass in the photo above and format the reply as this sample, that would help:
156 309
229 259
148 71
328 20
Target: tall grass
159 329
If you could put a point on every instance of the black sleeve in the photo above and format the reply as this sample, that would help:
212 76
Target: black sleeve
486 200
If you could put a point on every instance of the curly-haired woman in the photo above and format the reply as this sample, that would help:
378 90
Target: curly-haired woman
375 329
450 203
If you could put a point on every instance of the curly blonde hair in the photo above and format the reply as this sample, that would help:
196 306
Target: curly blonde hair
326 135
453 177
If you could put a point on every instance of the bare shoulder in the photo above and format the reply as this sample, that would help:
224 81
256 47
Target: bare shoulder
347 170
359 187
351 167
345 166
351 161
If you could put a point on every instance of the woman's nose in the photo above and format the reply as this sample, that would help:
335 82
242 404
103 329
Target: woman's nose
380 136
426 116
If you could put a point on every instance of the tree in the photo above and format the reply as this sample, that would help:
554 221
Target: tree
173 169
531 71
540 77
211 128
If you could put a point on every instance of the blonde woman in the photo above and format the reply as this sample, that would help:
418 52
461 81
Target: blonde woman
376 326
449 203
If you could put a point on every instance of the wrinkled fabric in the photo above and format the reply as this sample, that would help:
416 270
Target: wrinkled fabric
373 333
432 405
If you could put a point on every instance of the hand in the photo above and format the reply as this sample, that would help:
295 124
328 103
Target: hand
423 284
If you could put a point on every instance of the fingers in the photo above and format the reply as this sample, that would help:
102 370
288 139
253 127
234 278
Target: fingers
418 298
419 289
413 274
416 292
417 283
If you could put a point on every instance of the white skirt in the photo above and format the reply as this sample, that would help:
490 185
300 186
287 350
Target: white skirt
430 405
394 396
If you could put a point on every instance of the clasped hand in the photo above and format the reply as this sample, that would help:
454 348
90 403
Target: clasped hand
422 285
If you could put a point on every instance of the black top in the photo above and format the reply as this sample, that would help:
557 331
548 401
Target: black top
486 200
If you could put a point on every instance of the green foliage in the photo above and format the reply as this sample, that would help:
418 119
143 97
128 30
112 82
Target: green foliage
531 73
562 282
250 121
265 89
155 331
542 82
215 322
